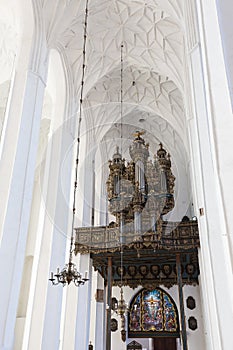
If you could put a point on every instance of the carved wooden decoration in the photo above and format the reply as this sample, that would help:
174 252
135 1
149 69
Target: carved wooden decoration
114 325
134 346
191 303
192 322
143 189
99 296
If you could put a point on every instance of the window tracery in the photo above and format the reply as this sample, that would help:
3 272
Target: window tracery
153 311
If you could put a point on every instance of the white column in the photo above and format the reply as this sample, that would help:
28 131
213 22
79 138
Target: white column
61 239
210 125
46 230
93 307
100 318
178 344
84 306
16 221
71 300
31 253
214 259
85 203
201 162
101 201
100 220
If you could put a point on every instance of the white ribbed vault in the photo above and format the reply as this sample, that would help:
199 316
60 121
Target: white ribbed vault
154 67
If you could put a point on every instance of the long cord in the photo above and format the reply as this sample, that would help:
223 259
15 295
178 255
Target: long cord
79 128
121 151
121 98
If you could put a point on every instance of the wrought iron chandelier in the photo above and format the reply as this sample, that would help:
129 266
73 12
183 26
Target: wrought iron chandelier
70 273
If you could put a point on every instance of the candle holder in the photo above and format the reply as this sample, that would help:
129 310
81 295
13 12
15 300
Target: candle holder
67 275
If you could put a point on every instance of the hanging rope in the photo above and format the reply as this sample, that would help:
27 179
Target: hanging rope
121 99
79 127
121 151
70 273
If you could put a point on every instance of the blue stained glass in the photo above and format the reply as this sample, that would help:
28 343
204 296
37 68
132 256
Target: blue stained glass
170 315
153 311
135 314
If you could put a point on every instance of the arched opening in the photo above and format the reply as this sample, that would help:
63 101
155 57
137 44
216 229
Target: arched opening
153 314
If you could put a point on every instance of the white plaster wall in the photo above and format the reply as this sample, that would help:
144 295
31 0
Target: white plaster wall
196 339
48 227
117 343
85 311
18 156
9 38
15 52
212 164
225 10
220 110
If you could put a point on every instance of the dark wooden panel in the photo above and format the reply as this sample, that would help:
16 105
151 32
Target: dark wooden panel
164 343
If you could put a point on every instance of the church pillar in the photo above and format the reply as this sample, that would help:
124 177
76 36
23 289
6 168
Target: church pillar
60 239
28 87
85 206
151 344
53 233
31 254
84 306
181 300
47 299
178 344
70 313
205 120
100 315
100 295
109 302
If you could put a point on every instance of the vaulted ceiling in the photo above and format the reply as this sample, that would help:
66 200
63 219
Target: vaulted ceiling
152 34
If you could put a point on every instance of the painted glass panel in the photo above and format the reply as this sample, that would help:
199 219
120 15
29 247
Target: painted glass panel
152 319
169 315
153 311
135 324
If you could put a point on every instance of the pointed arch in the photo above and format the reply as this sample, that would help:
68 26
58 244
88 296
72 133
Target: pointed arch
153 313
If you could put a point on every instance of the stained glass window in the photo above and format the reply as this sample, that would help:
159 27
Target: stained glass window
153 311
